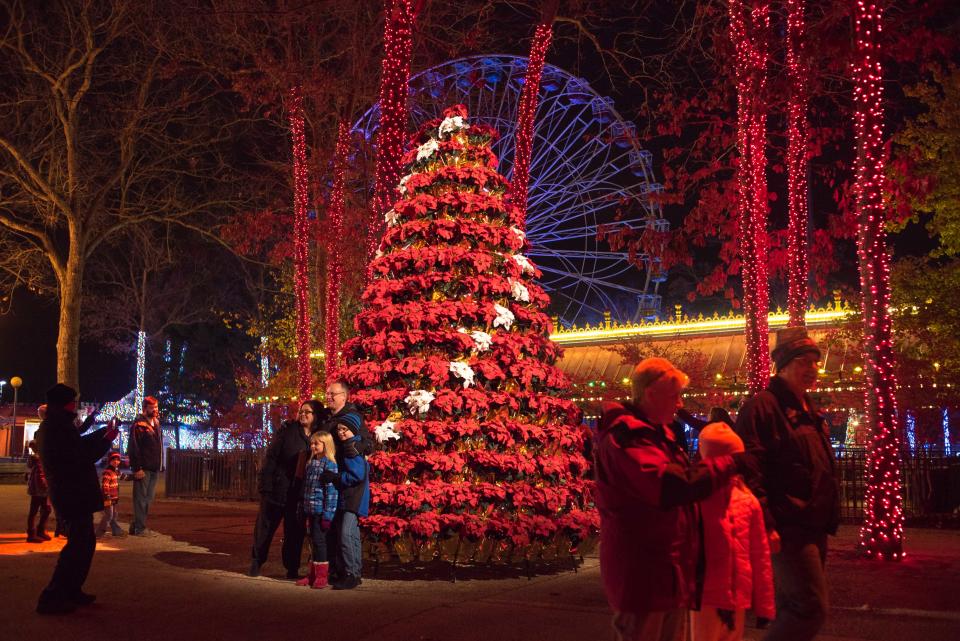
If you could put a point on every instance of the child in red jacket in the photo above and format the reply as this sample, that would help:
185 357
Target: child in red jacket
738 573
110 485
39 503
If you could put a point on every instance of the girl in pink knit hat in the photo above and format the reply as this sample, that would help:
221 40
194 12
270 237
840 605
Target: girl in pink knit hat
738 572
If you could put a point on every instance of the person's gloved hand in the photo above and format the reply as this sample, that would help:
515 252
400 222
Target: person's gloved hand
325 524
726 617
329 477
350 449
747 464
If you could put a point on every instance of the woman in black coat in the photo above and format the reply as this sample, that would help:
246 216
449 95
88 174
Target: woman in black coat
280 485
68 461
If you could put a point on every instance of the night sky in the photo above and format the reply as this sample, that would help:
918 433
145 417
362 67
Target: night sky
28 349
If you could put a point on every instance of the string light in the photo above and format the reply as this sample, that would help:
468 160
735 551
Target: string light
394 87
946 431
264 381
141 371
797 145
335 254
300 248
748 30
882 532
911 430
526 113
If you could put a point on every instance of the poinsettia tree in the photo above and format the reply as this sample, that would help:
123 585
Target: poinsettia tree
454 367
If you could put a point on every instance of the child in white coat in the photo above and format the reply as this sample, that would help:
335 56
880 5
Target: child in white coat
738 575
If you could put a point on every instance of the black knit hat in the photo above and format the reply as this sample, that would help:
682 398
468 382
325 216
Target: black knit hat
792 342
60 394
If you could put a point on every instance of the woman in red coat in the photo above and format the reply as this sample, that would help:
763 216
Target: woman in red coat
647 492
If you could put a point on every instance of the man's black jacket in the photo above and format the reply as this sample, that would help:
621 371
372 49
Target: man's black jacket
797 485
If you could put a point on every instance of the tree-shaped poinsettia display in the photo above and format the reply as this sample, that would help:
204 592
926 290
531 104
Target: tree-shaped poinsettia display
455 369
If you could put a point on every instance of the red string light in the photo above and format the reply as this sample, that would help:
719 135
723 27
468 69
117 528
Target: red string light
300 239
529 99
335 255
797 145
394 82
881 534
748 31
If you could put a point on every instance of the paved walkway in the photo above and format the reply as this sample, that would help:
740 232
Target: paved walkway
188 583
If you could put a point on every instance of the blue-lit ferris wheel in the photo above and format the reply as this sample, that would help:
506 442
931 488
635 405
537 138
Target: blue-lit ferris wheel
588 171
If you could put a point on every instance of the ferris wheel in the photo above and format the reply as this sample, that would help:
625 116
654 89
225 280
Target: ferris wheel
587 172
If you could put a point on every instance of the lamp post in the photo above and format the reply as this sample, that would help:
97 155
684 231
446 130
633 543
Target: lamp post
15 383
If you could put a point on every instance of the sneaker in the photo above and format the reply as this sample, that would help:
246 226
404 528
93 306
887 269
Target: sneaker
82 598
349 582
43 535
254 568
34 539
52 605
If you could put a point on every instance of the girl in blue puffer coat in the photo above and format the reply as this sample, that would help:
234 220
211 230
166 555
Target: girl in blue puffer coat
319 504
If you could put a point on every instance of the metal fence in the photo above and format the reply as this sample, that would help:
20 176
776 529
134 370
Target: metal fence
213 475
930 481
930 478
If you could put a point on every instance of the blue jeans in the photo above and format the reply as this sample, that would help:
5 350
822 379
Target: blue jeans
143 492
348 554
109 518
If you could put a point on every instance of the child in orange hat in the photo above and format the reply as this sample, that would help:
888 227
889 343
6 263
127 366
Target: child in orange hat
738 575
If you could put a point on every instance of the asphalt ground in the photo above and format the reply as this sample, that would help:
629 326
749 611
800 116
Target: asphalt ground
189 583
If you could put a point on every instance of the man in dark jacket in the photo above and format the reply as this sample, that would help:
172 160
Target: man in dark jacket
146 456
68 461
646 492
342 411
280 484
796 483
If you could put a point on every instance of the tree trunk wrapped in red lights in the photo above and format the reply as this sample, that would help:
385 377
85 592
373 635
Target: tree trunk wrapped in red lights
798 76
399 17
749 26
334 243
882 532
527 111
300 248
454 366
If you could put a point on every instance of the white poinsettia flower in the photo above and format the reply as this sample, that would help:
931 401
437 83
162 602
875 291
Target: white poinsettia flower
519 291
427 149
483 340
525 265
451 124
385 432
392 218
464 371
520 233
402 187
418 401
504 317
379 254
